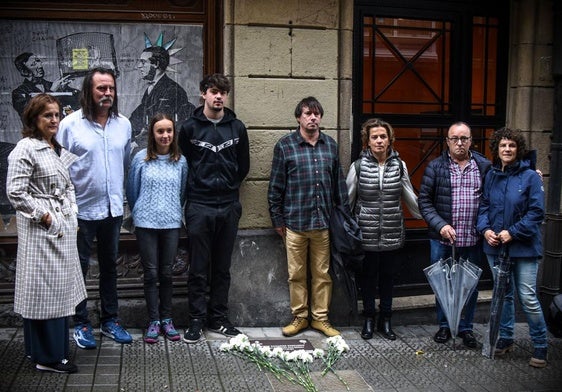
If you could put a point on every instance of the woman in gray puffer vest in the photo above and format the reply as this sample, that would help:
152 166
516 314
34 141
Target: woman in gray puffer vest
376 184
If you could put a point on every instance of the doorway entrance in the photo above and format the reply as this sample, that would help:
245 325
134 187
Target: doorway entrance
421 66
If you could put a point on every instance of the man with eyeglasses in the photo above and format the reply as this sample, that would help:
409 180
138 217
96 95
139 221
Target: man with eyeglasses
448 201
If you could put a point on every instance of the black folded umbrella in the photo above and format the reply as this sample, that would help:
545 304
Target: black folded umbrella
502 276
346 252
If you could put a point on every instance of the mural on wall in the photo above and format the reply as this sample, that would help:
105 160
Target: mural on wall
158 68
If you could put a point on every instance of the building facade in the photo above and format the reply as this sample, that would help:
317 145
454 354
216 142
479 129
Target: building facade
420 65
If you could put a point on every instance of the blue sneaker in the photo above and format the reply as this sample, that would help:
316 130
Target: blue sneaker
112 329
169 330
84 336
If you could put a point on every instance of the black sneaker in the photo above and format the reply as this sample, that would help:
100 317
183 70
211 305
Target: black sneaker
194 333
443 335
63 366
223 326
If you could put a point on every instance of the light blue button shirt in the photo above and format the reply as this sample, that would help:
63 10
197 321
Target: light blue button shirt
99 173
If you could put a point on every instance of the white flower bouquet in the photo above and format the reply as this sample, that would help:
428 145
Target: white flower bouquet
290 365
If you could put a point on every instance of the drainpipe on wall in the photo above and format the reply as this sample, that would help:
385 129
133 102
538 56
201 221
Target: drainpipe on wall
552 262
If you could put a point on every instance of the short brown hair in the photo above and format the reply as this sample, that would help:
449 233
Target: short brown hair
32 110
216 80
311 103
375 123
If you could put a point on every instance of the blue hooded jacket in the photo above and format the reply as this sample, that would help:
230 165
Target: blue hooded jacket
513 200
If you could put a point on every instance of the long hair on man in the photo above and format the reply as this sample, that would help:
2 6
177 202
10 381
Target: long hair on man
86 98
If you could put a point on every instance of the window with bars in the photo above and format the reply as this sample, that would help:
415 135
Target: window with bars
422 70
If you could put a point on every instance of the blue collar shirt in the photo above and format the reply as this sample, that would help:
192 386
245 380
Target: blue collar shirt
99 173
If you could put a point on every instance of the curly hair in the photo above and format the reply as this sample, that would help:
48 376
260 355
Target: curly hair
509 134
159 57
375 123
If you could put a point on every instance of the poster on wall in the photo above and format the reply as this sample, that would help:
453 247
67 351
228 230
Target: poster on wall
158 68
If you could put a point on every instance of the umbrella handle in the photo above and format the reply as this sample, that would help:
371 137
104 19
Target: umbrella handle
453 251
504 251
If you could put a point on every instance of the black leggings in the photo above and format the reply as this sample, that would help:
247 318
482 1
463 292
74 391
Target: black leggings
379 269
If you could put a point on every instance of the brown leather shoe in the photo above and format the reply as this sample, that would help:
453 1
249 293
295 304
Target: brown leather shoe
538 359
295 326
325 327
503 346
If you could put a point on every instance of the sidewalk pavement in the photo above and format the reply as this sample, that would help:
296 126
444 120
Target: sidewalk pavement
413 362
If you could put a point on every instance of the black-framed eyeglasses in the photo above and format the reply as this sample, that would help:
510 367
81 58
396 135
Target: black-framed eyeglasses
462 139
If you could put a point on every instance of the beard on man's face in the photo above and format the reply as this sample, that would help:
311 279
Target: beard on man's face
104 100
150 75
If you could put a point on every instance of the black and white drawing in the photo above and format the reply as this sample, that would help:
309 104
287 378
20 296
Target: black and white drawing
163 94
30 67
53 56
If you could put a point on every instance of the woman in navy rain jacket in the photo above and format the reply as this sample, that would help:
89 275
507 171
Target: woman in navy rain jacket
511 212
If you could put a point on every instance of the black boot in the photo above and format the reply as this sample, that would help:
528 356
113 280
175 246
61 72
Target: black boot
367 331
384 327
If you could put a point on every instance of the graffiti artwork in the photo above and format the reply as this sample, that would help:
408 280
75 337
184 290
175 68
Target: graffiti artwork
158 69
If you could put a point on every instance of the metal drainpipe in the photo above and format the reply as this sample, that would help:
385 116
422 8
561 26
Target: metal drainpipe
552 262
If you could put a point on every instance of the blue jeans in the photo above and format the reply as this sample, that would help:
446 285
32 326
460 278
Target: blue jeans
158 249
472 253
524 278
106 231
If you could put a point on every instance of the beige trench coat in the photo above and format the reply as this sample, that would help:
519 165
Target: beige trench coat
49 282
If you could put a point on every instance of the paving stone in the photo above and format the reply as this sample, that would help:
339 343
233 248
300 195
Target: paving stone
413 362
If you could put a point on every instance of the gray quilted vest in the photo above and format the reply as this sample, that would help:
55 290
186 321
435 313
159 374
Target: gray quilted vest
379 210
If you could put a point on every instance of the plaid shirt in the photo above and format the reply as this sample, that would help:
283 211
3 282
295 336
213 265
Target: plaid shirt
306 182
465 191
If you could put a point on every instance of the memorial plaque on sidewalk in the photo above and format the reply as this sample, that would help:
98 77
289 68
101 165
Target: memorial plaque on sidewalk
286 344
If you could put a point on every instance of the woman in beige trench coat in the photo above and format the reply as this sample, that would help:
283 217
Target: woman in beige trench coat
49 281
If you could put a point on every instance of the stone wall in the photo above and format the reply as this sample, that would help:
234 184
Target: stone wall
530 102
277 53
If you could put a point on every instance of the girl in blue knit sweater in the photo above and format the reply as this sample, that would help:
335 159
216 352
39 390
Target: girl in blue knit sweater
156 190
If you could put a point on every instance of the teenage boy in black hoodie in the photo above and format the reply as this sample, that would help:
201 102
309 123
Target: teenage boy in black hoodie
215 144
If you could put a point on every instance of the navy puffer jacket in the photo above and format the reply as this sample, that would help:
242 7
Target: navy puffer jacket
435 195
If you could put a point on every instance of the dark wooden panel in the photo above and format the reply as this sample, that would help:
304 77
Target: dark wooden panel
130 10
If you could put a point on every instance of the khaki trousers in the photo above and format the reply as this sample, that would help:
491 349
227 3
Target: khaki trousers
303 249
